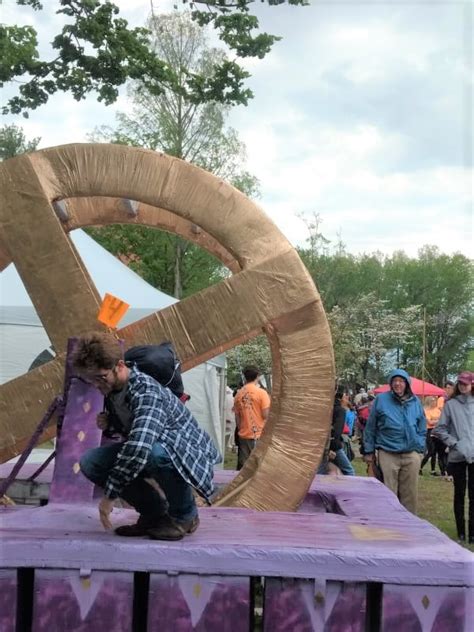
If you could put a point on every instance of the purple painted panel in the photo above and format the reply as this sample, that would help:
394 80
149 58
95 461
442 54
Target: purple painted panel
313 606
79 433
424 609
8 585
453 614
82 602
199 603
291 604
348 612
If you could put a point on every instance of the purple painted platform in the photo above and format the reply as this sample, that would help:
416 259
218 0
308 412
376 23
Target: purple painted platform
351 559
313 560
395 547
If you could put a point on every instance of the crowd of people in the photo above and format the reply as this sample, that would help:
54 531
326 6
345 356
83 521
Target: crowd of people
398 433
395 432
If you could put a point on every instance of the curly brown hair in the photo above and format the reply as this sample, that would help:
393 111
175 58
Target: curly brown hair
95 351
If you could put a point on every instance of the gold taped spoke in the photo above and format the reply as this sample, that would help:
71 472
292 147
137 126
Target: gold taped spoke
23 403
100 211
271 291
59 286
243 315
5 258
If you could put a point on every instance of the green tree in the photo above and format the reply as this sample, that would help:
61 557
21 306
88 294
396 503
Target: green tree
13 142
443 285
97 51
185 129
439 283
255 352
340 276
152 254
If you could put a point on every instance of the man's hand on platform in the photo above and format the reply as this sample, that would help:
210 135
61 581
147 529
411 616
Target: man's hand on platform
368 458
106 507
102 421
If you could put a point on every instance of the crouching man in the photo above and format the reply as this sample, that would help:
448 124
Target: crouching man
163 443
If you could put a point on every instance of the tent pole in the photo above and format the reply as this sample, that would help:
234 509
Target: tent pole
423 364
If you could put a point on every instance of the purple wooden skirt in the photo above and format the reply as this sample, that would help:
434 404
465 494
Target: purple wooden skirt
352 557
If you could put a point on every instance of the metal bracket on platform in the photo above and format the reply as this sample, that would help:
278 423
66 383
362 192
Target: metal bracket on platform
60 208
130 207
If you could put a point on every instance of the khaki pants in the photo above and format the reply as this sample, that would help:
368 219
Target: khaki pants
400 475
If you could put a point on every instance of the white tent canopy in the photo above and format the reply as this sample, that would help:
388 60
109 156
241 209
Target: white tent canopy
23 338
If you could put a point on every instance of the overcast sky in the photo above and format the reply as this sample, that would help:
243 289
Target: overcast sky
362 113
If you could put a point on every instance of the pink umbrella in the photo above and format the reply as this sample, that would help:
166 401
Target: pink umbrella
418 387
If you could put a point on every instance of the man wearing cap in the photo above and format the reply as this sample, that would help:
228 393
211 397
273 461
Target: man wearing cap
396 428
456 430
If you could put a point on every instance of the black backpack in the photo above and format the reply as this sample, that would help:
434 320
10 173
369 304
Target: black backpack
158 361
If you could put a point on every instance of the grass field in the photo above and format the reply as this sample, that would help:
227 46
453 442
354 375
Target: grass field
435 497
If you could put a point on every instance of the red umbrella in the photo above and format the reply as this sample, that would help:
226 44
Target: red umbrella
418 387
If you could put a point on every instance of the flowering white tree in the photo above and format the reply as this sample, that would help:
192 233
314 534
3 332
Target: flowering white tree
366 332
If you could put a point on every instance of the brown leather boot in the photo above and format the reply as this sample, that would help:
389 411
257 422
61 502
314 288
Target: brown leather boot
173 530
139 529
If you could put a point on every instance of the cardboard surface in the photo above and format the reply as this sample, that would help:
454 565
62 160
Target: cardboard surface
273 292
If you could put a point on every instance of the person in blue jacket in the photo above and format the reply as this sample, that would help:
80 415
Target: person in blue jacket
396 428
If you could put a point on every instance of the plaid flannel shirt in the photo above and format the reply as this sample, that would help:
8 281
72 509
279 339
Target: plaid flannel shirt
159 416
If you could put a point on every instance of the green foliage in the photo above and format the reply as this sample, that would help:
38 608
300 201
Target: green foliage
152 254
18 50
174 124
236 31
386 287
96 51
179 127
443 284
255 352
13 142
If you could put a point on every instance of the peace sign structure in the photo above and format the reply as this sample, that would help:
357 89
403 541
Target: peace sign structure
46 194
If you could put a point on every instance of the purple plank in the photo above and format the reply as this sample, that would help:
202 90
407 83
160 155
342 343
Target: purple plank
199 603
82 602
8 585
313 606
420 608
79 433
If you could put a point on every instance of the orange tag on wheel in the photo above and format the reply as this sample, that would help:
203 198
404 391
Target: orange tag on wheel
112 310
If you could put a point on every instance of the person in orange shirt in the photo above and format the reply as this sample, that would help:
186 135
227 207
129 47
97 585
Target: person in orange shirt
251 406
432 414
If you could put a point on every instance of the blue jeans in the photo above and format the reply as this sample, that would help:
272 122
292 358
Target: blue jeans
179 502
342 463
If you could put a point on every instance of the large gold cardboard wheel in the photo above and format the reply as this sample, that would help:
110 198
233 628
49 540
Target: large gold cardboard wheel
48 193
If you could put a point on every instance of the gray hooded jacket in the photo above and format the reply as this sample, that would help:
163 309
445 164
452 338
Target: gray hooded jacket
456 428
